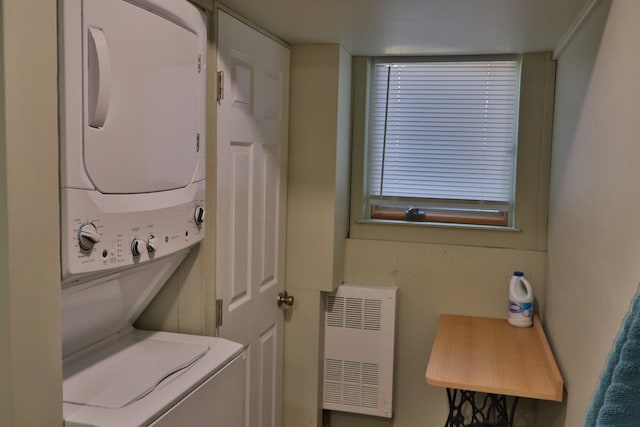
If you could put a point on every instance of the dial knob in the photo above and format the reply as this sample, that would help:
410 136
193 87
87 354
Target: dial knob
137 246
151 244
88 236
198 215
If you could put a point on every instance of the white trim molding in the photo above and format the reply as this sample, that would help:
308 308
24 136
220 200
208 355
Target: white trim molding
581 17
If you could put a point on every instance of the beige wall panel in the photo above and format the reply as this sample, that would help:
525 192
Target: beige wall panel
208 246
303 342
594 217
162 313
31 256
535 120
313 259
178 305
5 319
343 165
190 294
317 214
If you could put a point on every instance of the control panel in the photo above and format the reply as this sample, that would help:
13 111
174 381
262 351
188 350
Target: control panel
103 238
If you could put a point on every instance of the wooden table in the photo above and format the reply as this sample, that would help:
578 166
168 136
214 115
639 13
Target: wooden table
475 354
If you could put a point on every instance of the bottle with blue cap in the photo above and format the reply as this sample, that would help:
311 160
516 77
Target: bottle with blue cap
520 301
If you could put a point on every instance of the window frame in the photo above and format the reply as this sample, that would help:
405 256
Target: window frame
441 210
528 230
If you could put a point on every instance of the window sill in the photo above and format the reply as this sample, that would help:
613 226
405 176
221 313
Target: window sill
437 225
483 218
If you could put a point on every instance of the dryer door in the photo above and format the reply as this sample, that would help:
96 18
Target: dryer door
142 97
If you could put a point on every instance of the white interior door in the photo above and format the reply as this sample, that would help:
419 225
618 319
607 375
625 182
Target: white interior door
251 191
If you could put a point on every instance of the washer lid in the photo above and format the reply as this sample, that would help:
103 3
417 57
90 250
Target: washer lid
143 82
126 371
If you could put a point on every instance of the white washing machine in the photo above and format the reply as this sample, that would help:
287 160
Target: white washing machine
132 174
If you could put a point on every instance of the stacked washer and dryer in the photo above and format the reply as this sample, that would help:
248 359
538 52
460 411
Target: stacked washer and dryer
132 197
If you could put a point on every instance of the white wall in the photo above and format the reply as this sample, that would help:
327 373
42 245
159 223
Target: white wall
594 218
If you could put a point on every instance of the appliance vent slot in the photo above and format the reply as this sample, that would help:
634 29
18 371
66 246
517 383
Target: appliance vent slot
372 314
333 370
370 397
352 371
353 317
370 373
351 395
335 311
359 346
333 393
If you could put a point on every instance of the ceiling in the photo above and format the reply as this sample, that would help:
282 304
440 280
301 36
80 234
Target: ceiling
397 27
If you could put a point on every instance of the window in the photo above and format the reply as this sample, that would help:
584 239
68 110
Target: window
442 140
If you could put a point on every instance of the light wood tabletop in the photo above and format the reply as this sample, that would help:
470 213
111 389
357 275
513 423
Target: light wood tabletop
491 356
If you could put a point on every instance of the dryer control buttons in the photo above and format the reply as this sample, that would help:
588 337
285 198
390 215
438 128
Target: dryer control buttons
137 246
198 215
151 244
88 236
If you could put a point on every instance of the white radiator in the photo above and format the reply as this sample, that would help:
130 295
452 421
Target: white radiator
359 338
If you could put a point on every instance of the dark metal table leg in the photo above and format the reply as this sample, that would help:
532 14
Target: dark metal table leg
456 418
493 410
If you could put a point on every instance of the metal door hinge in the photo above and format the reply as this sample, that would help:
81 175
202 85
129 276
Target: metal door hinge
197 143
199 63
218 313
220 94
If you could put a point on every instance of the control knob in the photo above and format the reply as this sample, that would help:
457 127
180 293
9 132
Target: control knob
151 244
198 215
137 246
88 236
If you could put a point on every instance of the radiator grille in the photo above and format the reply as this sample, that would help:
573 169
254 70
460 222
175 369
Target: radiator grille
359 345
351 383
354 313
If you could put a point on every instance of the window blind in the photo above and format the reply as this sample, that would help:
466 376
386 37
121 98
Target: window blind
444 130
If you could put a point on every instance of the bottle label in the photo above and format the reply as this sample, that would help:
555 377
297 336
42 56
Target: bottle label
520 309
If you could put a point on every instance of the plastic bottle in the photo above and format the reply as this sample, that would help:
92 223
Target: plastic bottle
520 301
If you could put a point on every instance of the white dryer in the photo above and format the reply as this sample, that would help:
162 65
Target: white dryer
132 174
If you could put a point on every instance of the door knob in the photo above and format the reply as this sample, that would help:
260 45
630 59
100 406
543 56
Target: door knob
285 299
